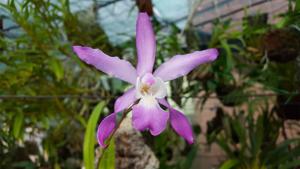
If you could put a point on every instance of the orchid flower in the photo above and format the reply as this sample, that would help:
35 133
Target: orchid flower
148 86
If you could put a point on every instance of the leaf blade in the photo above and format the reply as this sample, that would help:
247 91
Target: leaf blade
89 137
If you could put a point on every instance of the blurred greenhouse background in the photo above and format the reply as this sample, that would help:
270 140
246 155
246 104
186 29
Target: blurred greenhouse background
244 107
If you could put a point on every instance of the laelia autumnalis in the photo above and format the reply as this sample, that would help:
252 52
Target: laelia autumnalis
148 85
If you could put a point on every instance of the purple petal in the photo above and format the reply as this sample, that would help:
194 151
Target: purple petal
164 102
105 128
179 123
145 44
113 66
181 65
126 100
149 116
108 124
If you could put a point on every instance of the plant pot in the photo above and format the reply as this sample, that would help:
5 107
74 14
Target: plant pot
288 109
281 45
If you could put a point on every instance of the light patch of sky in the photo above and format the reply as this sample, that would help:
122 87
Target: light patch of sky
118 20
7 23
2 67
172 10
76 5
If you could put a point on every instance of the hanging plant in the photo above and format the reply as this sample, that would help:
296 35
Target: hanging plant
282 45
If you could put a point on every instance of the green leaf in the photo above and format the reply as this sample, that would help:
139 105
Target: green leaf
56 166
225 146
108 157
90 137
24 164
278 155
18 124
12 4
229 56
57 69
240 130
229 164
190 157
297 6
259 133
291 165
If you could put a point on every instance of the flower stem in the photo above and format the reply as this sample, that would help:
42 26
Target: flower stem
124 114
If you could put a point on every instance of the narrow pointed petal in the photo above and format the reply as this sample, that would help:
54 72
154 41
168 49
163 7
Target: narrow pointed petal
126 100
149 115
181 65
179 123
113 66
105 128
145 44
108 124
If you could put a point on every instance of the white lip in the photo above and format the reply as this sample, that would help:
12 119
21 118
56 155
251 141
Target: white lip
157 90
148 101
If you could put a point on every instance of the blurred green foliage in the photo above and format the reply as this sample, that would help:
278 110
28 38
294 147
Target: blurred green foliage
251 142
90 137
40 62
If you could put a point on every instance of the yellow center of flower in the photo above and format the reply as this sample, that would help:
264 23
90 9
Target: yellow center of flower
148 85
144 89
